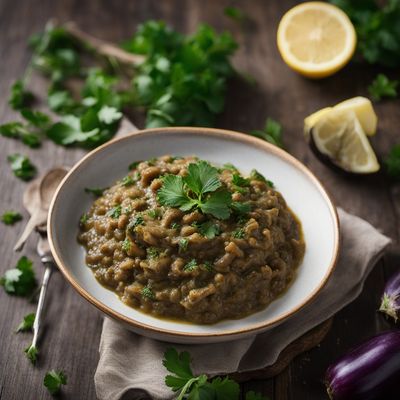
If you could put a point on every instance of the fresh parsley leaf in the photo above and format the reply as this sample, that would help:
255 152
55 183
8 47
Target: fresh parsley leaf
230 167
22 166
53 381
217 204
208 266
83 219
183 244
17 130
175 225
255 396
60 101
96 191
239 233
225 388
134 165
202 178
136 221
382 86
153 253
20 280
11 217
27 323
109 115
36 118
32 353
238 180
148 293
126 245
20 97
179 365
271 133
209 229
114 212
235 13
241 208
154 213
190 266
392 162
69 131
254 174
127 181
172 192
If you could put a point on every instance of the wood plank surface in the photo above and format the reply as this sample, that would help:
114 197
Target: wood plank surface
73 327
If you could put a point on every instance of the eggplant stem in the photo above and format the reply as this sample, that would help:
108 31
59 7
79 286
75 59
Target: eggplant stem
388 306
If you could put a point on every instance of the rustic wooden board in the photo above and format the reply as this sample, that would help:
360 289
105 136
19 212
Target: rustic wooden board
73 327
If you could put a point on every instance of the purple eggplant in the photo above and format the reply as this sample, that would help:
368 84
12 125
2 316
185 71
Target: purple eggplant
369 371
391 297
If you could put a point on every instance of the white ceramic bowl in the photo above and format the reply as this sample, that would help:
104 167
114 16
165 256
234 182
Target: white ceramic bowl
103 166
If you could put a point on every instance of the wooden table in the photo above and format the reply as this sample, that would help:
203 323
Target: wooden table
72 329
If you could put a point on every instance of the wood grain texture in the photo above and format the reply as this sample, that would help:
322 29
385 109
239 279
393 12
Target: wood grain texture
73 327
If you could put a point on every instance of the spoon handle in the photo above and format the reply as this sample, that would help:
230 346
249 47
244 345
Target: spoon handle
29 227
43 289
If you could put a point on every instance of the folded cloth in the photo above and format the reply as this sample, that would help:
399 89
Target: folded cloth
130 365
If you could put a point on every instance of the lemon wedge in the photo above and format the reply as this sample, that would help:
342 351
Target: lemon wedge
316 39
360 105
364 112
339 136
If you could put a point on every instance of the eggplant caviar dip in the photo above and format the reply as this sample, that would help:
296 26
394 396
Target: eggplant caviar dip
180 238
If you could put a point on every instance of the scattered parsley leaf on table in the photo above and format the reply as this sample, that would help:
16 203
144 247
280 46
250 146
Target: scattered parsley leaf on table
235 13
32 353
53 381
392 162
11 217
20 97
27 323
377 26
199 387
20 280
382 86
17 130
22 166
271 133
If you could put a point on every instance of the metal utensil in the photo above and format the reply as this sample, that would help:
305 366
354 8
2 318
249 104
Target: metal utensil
36 200
43 249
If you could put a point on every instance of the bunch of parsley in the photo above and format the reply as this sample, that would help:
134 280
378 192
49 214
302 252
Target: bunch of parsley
378 29
188 386
181 82
183 79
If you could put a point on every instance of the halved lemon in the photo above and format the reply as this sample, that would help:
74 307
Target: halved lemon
316 39
338 135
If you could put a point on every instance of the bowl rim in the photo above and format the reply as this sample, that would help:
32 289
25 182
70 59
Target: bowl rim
214 132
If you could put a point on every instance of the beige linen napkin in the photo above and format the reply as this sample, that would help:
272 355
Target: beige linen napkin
130 365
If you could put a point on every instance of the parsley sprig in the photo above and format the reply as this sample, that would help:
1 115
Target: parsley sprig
11 217
271 133
200 189
382 86
20 280
377 26
53 381
188 386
